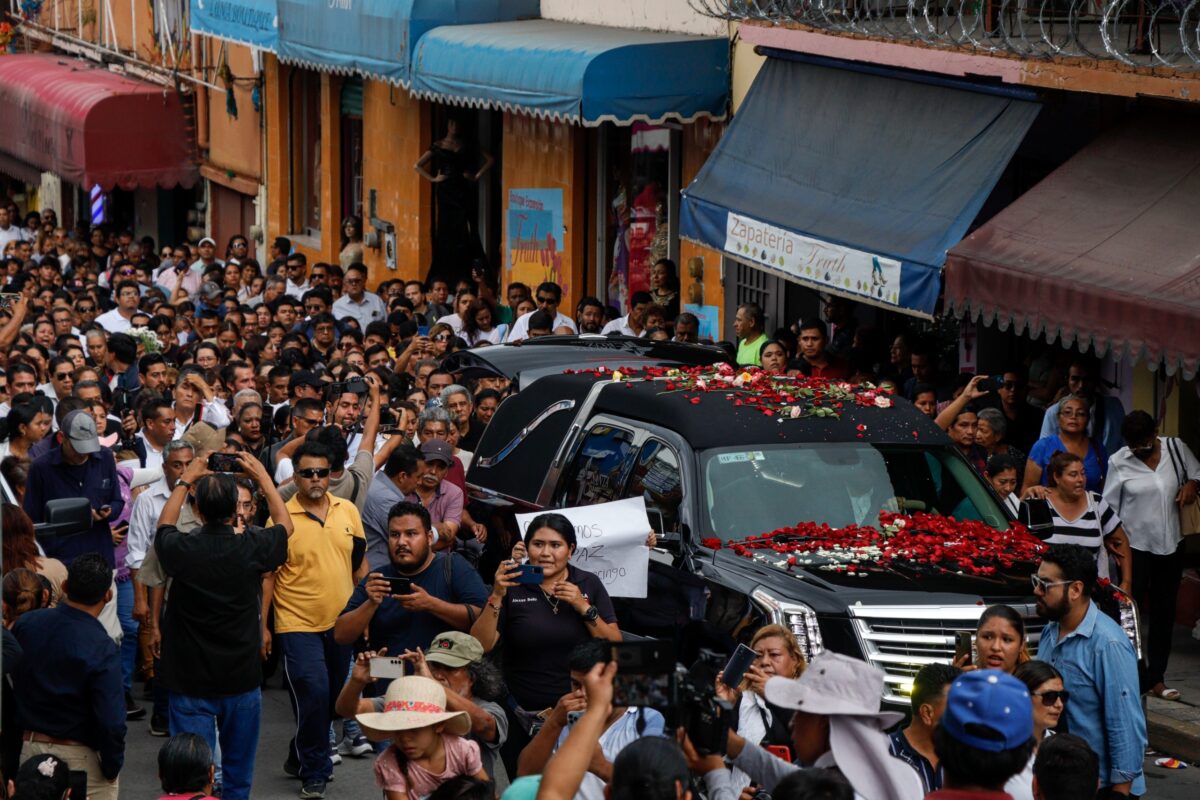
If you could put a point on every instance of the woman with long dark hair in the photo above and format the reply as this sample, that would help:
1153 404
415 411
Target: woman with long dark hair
479 324
540 624
27 423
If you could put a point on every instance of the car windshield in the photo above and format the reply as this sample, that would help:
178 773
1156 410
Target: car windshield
756 490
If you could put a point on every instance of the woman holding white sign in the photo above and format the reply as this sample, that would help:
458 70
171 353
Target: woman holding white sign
540 618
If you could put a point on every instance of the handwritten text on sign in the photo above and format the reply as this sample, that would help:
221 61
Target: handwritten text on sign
611 543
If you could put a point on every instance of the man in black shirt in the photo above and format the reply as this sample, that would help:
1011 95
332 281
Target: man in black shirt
67 684
211 631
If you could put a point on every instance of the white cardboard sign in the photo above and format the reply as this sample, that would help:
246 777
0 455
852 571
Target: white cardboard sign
611 543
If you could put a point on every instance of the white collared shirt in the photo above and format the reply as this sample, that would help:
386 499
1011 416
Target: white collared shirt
143 521
113 322
520 328
371 309
1144 499
620 325
215 414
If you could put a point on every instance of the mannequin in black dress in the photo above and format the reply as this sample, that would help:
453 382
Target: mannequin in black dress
454 167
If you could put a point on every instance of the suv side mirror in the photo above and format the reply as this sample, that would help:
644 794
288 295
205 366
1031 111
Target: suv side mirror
64 517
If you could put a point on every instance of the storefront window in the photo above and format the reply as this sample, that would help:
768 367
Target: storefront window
638 162
352 147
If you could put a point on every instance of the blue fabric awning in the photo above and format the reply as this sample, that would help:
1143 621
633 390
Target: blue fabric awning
854 181
374 38
251 22
585 74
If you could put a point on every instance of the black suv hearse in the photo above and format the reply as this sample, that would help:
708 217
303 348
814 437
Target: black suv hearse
715 469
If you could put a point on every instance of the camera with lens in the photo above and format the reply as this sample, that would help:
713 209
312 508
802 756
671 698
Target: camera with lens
648 676
355 385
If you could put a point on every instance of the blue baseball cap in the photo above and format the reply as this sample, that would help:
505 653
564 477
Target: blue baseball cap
989 710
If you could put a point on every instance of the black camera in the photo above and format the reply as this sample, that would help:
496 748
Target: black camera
647 675
355 385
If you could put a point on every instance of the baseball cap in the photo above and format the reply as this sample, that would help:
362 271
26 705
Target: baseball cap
207 240
454 649
305 378
989 710
80 430
437 450
210 289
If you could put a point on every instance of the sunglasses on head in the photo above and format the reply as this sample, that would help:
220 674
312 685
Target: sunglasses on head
314 472
1050 698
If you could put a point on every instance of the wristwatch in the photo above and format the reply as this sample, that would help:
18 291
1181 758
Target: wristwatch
183 483
591 615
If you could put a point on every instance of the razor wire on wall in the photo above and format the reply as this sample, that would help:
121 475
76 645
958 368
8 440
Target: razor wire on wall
1138 33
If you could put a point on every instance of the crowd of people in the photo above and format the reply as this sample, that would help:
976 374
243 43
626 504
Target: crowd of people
275 459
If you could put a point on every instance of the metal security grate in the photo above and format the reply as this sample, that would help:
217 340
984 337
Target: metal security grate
901 639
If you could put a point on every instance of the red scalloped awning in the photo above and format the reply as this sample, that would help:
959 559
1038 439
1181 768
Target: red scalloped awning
1105 251
91 126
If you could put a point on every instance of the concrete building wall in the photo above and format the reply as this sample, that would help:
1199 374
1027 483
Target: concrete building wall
655 15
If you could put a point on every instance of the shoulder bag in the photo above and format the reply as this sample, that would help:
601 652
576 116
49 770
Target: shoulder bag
1189 515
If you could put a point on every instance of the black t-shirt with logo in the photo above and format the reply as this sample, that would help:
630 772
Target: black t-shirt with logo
537 642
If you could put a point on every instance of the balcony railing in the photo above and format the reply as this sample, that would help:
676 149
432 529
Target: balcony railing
1138 33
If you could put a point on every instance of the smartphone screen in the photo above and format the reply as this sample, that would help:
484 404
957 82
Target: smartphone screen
738 663
422 330
78 779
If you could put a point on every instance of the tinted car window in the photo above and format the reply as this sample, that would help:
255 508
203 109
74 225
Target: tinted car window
601 467
657 480
756 490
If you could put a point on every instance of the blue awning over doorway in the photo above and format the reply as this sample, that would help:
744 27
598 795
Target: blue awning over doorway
251 22
374 38
584 74
854 182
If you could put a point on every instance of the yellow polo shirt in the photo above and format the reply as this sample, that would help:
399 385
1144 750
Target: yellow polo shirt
316 581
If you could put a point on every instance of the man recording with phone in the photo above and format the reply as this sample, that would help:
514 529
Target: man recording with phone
411 600
210 645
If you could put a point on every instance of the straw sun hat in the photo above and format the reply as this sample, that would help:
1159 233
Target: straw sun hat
416 702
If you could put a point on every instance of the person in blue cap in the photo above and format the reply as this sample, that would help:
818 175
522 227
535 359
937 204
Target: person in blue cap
985 736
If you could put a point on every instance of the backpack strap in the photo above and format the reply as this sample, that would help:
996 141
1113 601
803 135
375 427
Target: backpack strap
448 574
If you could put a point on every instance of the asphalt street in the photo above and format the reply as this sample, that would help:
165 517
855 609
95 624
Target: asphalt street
355 778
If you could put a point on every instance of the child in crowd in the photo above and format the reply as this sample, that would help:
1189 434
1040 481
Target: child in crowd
428 747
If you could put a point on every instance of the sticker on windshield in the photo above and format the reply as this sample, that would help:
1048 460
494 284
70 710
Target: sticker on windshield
739 458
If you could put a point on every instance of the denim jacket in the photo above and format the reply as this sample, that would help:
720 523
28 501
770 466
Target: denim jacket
1099 669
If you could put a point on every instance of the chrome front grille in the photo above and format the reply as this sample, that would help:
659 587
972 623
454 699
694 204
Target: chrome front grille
901 639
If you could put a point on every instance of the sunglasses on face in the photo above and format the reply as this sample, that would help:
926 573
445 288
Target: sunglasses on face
1041 584
546 301
442 337
86 309
62 376
315 472
1142 451
126 272
1050 698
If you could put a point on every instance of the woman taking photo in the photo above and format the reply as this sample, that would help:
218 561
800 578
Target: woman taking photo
999 642
479 324
1149 480
1049 698
1072 438
540 624
27 424
1067 513
757 720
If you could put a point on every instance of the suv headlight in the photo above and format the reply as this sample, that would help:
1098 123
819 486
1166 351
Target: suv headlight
796 617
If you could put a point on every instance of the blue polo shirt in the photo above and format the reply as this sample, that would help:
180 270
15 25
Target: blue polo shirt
96 479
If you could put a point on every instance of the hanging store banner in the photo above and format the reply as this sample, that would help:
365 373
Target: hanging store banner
844 269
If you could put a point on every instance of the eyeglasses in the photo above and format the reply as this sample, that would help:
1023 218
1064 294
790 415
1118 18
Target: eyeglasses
1142 451
315 472
546 300
1050 698
1041 584
1073 414
85 309
442 337
126 272
62 376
